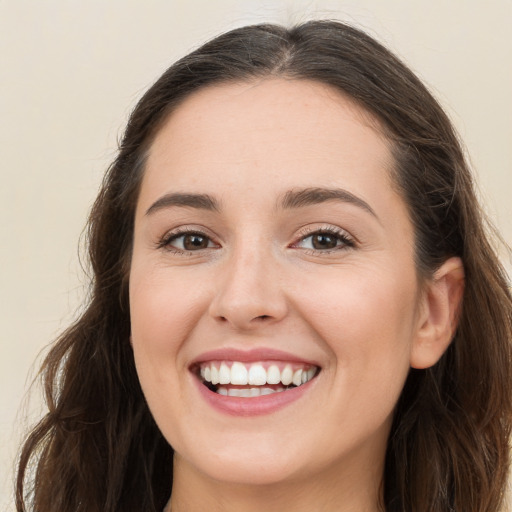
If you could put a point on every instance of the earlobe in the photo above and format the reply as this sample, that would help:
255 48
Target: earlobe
440 313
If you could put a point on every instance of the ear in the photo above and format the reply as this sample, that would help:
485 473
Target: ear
439 314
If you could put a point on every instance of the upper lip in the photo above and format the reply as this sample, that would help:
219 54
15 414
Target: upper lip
251 356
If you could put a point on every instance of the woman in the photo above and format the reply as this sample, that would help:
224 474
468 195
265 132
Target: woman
293 288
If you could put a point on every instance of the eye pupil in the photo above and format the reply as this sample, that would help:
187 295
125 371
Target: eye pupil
194 241
324 241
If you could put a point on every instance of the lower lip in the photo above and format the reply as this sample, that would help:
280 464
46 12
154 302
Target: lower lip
253 406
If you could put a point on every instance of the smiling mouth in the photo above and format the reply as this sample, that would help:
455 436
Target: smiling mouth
248 380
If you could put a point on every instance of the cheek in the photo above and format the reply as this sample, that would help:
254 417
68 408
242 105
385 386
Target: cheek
163 306
164 311
365 318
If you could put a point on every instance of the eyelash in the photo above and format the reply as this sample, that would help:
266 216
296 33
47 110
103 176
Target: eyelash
168 238
347 242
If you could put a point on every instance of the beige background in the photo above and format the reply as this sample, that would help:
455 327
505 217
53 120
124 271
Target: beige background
70 72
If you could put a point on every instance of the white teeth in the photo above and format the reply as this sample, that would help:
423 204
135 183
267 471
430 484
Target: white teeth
215 375
255 374
297 378
287 375
238 374
224 374
273 375
246 392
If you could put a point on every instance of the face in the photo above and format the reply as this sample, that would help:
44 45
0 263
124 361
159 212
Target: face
273 294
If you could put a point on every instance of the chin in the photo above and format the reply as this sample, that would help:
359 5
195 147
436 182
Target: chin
249 464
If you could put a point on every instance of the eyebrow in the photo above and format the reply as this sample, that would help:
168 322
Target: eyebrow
291 200
199 201
310 196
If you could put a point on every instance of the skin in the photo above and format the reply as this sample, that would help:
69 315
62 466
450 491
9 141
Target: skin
358 310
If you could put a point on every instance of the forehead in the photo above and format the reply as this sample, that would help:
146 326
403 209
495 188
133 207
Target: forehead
270 103
280 132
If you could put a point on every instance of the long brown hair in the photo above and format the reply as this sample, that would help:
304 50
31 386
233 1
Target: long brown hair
98 448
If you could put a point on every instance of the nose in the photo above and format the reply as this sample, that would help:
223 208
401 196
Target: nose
249 291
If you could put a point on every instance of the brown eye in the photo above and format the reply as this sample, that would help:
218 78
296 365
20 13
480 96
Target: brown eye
324 241
190 241
194 241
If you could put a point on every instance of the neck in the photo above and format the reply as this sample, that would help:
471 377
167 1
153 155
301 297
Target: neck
352 491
